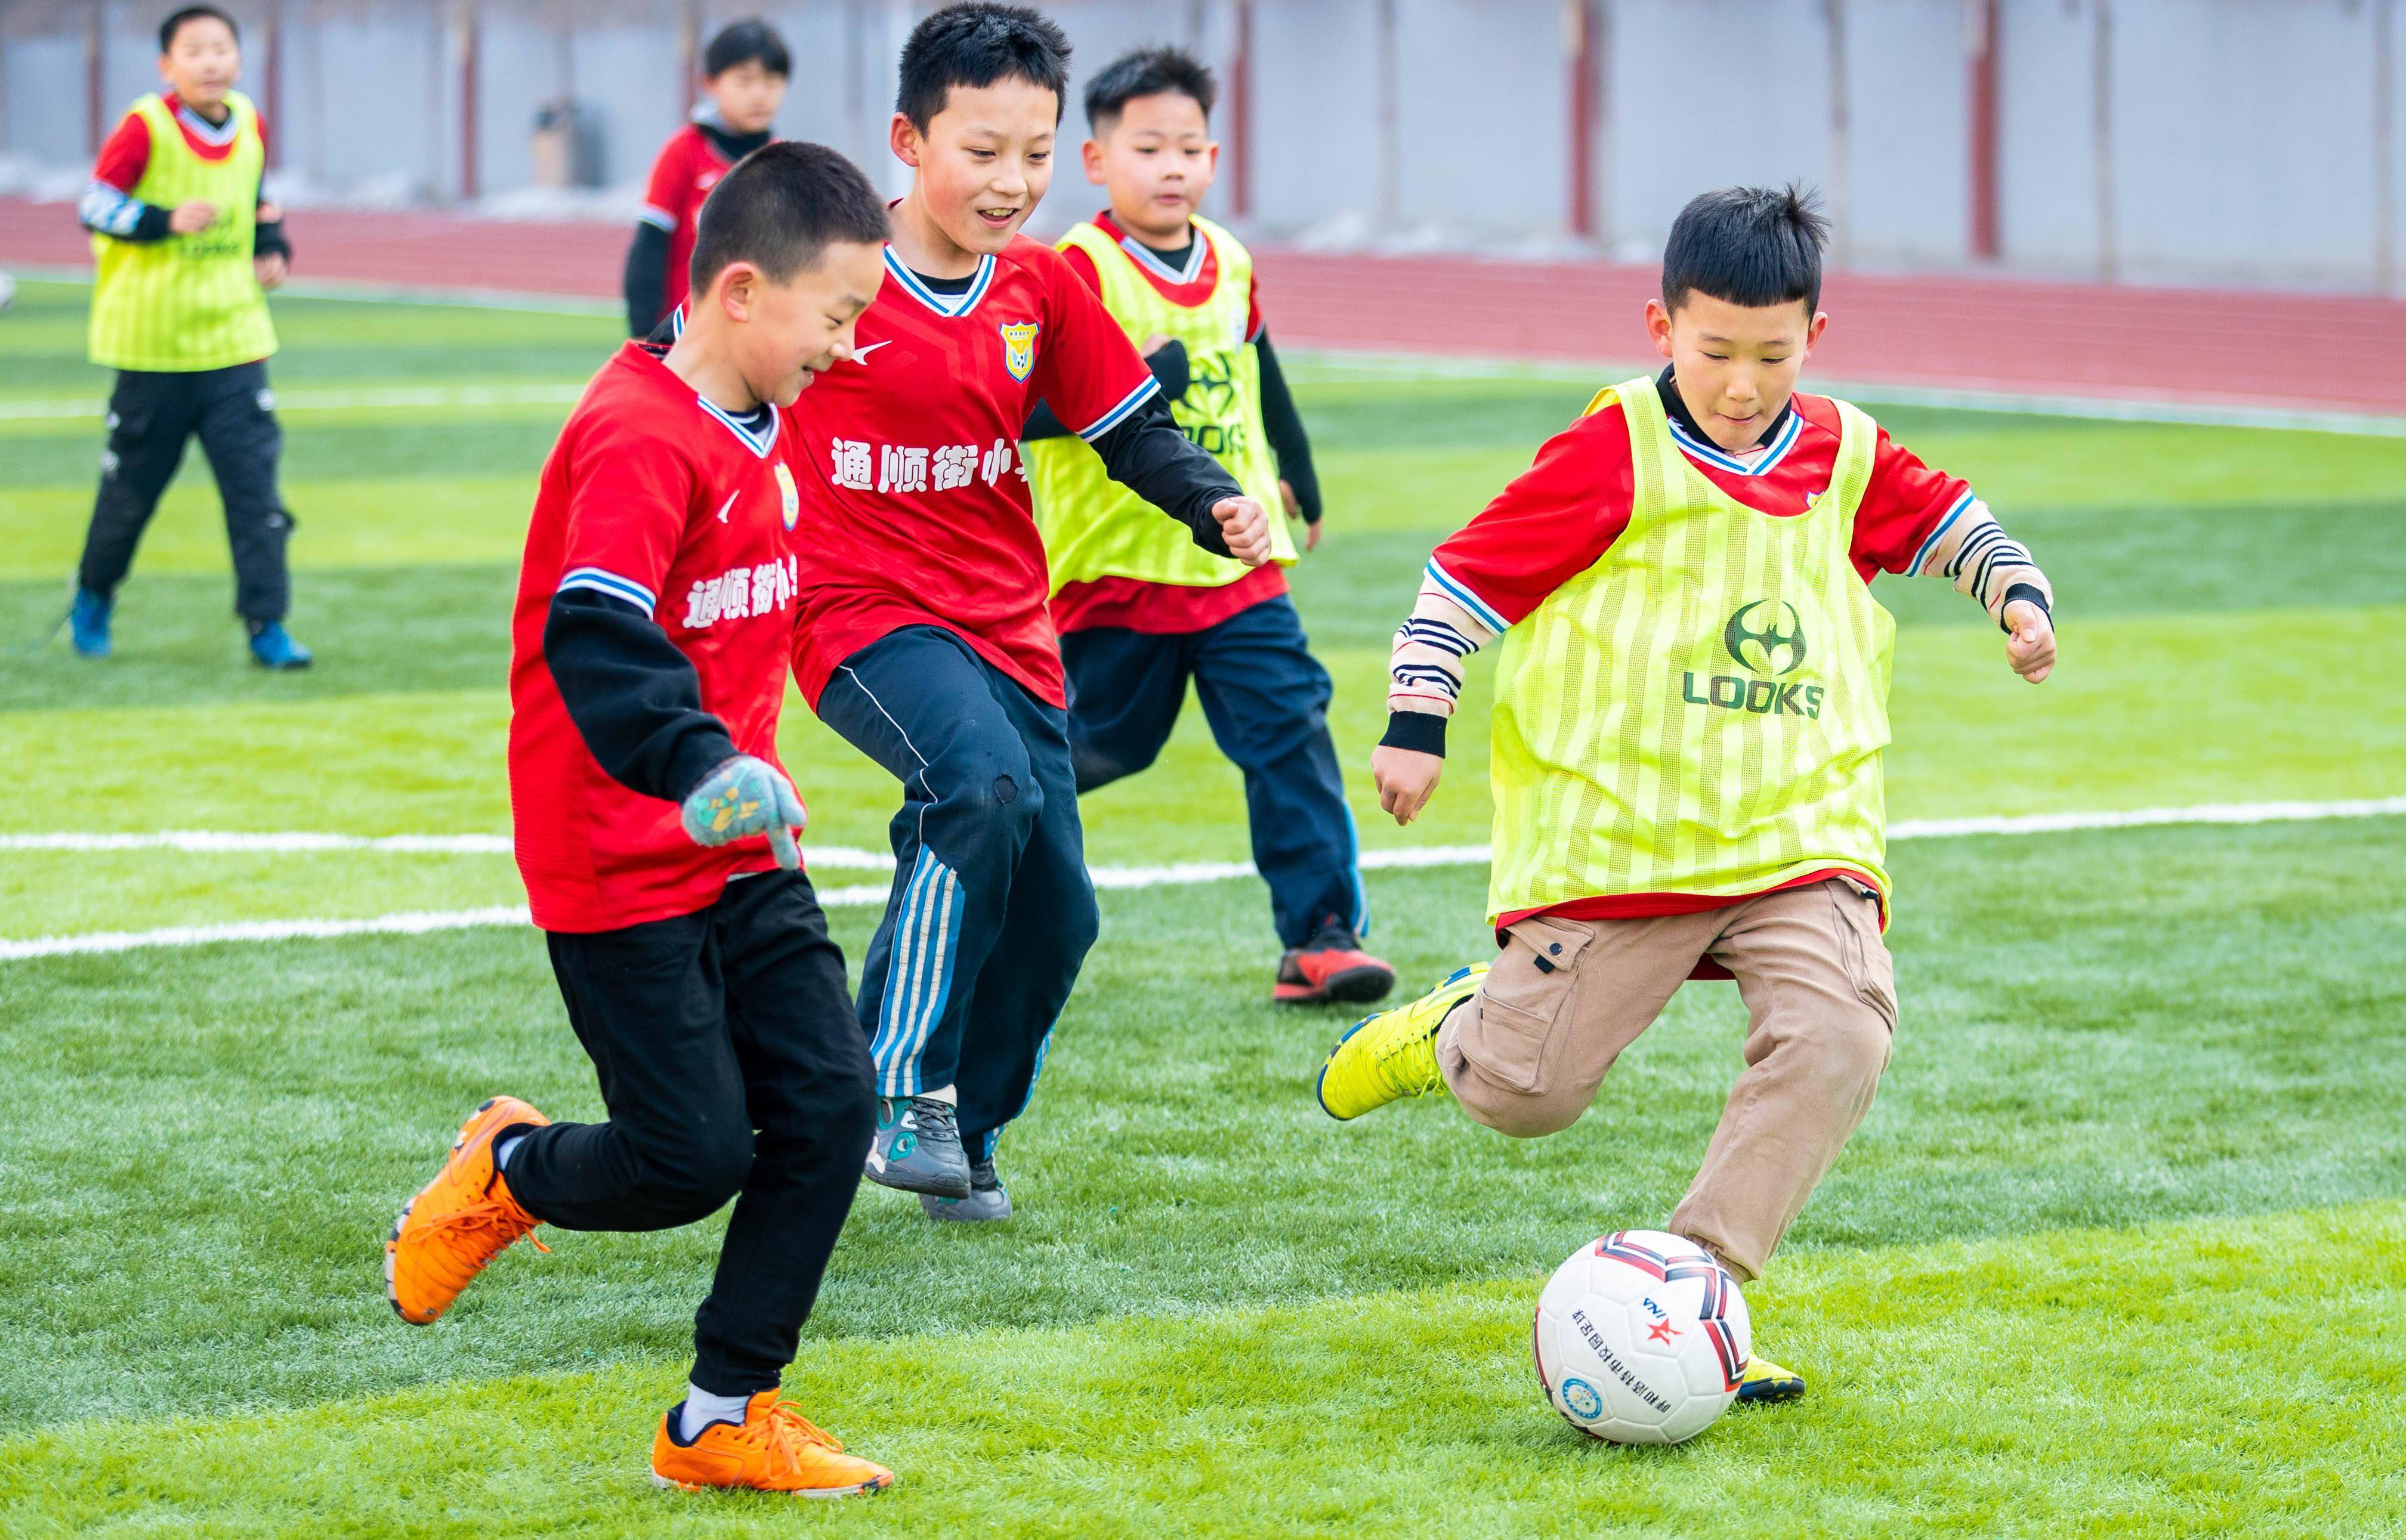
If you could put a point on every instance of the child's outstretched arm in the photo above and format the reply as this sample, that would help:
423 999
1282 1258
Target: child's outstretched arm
1555 521
1922 522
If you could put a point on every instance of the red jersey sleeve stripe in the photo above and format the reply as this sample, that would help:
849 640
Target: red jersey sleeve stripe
1117 415
1454 589
609 583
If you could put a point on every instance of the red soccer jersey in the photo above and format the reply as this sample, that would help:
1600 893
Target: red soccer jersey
653 496
126 154
920 513
689 167
1166 609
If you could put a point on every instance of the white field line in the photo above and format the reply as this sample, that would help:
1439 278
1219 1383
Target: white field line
842 858
547 393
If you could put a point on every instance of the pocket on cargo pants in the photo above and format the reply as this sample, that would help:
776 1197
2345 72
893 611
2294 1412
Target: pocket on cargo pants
1514 1031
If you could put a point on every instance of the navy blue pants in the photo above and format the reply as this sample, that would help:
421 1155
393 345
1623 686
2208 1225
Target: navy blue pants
1266 697
992 911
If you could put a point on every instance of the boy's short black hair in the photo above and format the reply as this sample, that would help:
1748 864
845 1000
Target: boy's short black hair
174 23
748 41
1148 71
975 44
780 207
1750 246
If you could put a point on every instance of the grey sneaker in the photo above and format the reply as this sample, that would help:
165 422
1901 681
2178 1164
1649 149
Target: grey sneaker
987 1200
918 1149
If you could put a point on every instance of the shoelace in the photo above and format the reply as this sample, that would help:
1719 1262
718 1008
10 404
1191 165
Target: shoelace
489 1215
782 1427
937 1117
1389 1058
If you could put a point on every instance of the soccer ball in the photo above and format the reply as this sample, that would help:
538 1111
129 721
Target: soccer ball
7 291
1641 1338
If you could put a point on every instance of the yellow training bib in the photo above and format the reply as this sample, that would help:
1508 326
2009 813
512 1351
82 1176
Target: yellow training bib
1704 710
1093 527
187 303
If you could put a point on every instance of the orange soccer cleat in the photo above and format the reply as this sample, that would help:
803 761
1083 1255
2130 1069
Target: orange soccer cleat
777 1450
461 1221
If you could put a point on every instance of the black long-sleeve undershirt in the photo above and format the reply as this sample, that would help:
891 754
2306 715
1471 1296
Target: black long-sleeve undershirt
1289 443
635 699
646 281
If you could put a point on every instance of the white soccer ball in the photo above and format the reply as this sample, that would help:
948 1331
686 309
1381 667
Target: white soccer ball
1641 1338
7 291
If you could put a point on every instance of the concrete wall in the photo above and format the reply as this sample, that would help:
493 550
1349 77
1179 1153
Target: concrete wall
2240 139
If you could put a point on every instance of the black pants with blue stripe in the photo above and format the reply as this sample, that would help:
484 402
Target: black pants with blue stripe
1266 697
992 913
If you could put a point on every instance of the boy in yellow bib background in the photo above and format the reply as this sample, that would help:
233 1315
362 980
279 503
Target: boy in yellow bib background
1689 715
1140 611
186 250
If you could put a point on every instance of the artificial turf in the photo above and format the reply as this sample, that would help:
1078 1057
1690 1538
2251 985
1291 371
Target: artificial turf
2117 1252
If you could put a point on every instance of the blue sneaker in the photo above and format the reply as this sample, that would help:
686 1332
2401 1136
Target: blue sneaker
88 623
275 648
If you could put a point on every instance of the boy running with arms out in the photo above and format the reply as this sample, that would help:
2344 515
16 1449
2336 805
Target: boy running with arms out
743 75
924 637
656 833
1139 608
1687 727
186 248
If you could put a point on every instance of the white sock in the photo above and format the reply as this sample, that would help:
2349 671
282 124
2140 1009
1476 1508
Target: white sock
701 1410
503 1150
949 1096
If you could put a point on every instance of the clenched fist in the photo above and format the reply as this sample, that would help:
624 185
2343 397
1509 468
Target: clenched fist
1407 779
2030 640
1245 527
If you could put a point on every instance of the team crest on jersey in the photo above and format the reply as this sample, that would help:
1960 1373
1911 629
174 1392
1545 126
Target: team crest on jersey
789 502
1019 346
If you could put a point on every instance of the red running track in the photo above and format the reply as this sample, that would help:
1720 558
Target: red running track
2223 347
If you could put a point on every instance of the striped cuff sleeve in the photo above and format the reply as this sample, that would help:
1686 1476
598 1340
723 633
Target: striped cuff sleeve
1424 671
603 582
1971 549
105 209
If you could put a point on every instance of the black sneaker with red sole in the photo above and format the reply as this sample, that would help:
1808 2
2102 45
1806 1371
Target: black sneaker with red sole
1331 967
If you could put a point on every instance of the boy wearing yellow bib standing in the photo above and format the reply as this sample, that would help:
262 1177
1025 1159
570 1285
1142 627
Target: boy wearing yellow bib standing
1689 720
186 250
1140 611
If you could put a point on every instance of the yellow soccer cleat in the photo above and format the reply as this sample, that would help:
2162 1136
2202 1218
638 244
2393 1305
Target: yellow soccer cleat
776 1449
1765 1382
1392 1054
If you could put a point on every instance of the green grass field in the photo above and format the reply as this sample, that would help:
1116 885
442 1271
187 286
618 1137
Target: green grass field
2122 1249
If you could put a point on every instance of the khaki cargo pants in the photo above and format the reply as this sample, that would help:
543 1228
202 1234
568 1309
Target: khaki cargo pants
1525 1055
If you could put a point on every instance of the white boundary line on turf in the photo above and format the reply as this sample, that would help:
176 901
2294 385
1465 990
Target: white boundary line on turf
47 408
838 857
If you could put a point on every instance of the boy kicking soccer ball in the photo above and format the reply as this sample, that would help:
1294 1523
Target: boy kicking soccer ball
656 833
1139 608
1689 720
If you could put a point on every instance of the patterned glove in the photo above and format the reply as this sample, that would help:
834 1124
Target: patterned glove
744 797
